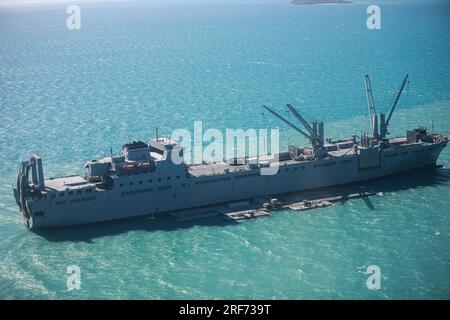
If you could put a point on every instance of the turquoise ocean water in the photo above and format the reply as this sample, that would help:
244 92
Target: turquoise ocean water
70 95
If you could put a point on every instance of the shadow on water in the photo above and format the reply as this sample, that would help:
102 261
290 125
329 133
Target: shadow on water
368 203
86 233
425 177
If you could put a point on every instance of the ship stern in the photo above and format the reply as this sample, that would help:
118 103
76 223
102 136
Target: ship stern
26 192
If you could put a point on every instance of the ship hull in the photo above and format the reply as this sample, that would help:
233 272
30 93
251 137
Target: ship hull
134 196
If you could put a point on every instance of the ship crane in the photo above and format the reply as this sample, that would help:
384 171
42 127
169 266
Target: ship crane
397 98
380 131
371 105
314 133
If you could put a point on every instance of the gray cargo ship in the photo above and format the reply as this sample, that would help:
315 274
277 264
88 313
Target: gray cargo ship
144 180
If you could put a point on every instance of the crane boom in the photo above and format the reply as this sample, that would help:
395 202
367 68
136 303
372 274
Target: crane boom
300 118
372 111
288 123
370 101
397 98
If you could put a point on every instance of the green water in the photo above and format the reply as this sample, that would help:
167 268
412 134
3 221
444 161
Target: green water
71 95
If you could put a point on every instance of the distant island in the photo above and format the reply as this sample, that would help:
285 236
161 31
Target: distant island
319 1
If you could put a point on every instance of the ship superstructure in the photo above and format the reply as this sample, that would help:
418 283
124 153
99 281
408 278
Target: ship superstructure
146 180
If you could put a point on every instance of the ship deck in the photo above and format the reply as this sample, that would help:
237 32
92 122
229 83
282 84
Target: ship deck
212 169
341 152
207 169
219 168
61 184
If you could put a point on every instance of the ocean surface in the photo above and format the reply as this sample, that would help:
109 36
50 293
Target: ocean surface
71 95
